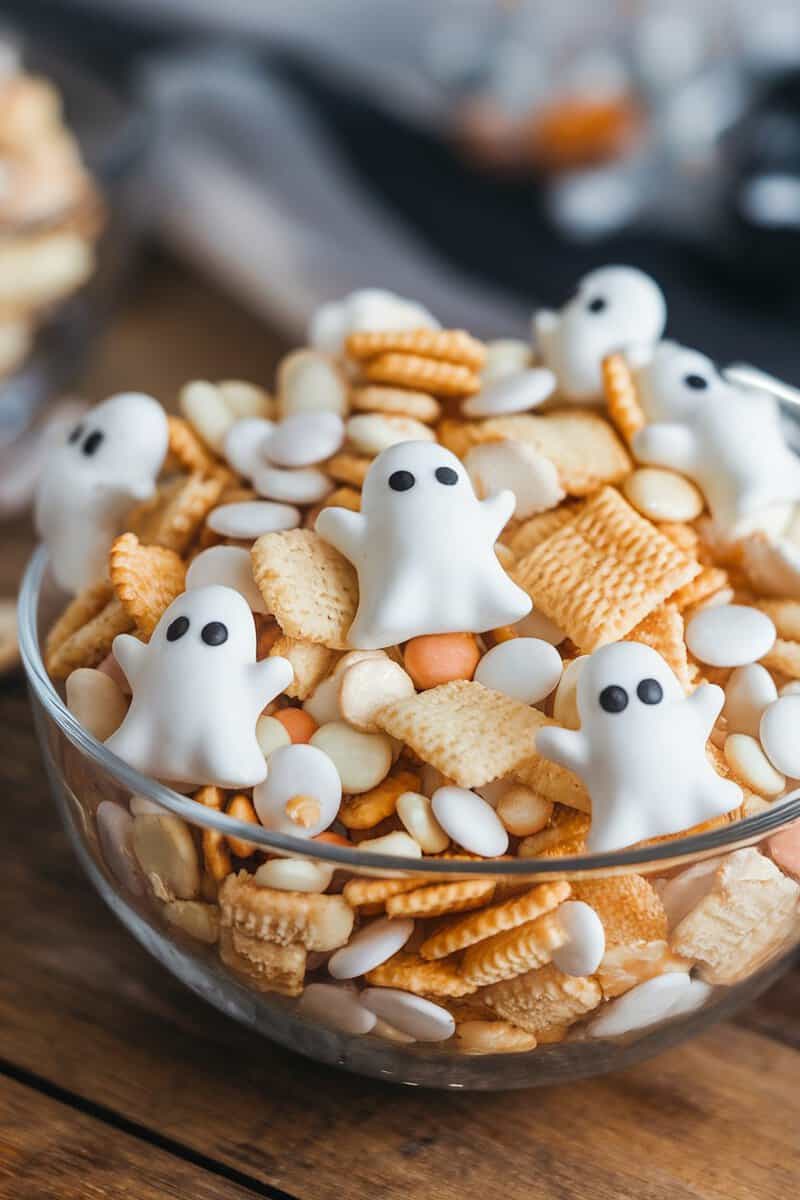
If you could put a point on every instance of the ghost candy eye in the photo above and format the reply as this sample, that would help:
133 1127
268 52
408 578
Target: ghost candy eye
76 434
401 481
214 633
613 699
597 304
92 443
446 475
697 383
177 628
650 691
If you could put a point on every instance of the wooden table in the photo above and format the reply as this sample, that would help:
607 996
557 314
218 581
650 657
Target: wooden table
117 1082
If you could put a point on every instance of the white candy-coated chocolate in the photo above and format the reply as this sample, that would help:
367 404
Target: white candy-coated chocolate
419 1018
750 765
415 811
727 439
372 433
780 734
395 843
110 459
585 945
512 464
512 393
729 635
747 693
662 495
304 438
298 770
613 308
115 834
249 519
649 1003
96 702
683 892
294 875
243 444
300 485
336 1008
370 947
198 692
537 625
470 821
309 381
505 356
271 735
361 759
423 547
204 407
373 310
323 703
526 669
227 566
641 748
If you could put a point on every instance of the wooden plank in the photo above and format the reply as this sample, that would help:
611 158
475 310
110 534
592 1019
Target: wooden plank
82 1005
48 1149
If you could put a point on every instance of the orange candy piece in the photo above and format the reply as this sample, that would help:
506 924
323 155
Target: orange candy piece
298 724
441 657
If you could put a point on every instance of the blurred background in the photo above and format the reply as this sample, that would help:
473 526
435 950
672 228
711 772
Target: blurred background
237 163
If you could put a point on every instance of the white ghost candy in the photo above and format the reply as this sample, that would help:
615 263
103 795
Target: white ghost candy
641 748
613 308
198 692
110 460
423 547
372 309
726 438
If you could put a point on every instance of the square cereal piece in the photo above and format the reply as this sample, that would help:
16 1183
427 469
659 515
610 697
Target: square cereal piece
603 572
267 966
531 533
544 1002
470 733
308 586
317 922
174 516
662 630
84 634
747 917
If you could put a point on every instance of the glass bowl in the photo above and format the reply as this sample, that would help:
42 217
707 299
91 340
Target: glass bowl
93 790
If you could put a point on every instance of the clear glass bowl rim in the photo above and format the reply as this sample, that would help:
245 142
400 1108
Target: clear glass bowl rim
698 846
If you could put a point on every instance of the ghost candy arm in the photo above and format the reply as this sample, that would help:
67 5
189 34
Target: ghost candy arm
568 747
497 511
130 653
345 530
707 701
665 445
268 678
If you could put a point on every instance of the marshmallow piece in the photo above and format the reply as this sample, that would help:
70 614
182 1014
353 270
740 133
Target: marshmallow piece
749 763
303 485
96 701
780 734
243 443
370 947
249 519
115 835
298 771
585 945
525 669
294 875
662 495
470 821
228 566
656 1000
336 1008
362 760
414 810
537 625
747 693
512 393
420 528
420 1019
504 357
729 635
372 433
304 438
532 478
372 310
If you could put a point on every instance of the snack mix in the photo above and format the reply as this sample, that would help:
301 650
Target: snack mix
50 213
441 599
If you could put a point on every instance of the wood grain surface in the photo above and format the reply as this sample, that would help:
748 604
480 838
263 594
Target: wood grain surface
116 1081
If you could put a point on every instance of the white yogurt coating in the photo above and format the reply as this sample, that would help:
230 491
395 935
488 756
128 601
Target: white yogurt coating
372 945
243 444
585 943
649 1003
527 669
300 485
298 770
249 519
780 734
336 1008
512 393
747 693
470 821
304 439
729 635
412 1015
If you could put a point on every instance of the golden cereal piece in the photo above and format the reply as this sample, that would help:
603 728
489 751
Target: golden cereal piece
492 1037
216 856
470 733
544 1002
368 809
422 374
436 899
495 919
450 345
784 657
348 468
684 536
317 922
186 450
303 810
628 906
567 827
84 634
240 807
396 402
628 964
310 588
343 497
310 661
700 589
620 393
663 631
412 974
174 516
146 580
513 952
786 616
602 573
539 527
266 966
362 892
